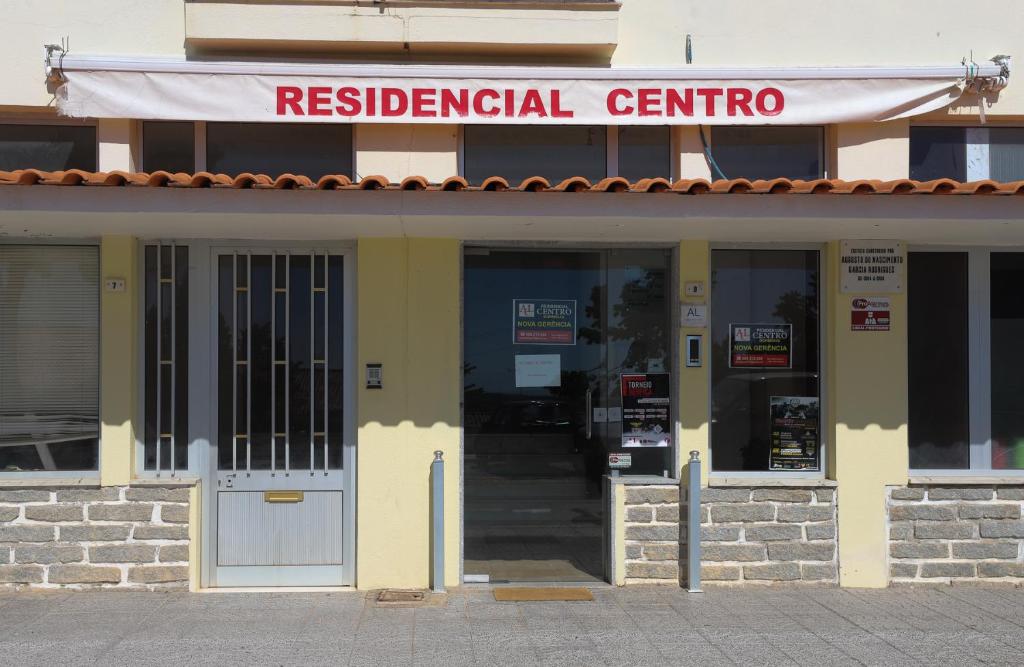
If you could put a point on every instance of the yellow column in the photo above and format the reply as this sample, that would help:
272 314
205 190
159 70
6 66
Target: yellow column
872 150
115 139
409 321
117 360
868 398
694 266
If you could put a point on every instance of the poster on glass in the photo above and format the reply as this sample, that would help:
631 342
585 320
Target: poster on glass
645 410
794 433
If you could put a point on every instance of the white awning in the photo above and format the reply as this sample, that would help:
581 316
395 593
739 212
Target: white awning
175 89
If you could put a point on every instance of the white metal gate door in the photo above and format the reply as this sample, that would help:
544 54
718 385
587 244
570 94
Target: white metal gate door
283 506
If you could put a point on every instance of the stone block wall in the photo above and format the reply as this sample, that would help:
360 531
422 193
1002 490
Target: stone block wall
943 534
768 535
110 537
749 534
652 534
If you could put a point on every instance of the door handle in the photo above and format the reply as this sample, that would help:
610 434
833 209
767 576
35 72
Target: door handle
590 414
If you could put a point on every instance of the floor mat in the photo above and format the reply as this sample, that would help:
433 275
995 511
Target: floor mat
543 594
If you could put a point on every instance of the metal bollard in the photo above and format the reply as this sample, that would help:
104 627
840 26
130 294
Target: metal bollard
437 491
693 524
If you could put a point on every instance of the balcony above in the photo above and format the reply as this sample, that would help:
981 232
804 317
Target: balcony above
570 30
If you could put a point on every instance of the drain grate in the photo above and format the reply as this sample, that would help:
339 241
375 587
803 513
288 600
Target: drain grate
401 596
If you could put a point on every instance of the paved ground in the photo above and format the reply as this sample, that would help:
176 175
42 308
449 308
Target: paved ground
632 626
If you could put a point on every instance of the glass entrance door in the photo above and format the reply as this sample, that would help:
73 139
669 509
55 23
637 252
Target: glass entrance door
548 338
281 498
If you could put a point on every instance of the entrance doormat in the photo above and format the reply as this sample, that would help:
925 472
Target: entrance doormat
543 594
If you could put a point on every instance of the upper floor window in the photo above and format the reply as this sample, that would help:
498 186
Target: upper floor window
645 152
769 152
516 152
307 149
168 146
967 153
47 147
49 357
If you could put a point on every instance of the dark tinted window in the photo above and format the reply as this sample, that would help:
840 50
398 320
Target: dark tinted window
47 147
168 146
937 152
645 152
1007 331
1006 153
515 152
274 149
749 400
939 426
768 152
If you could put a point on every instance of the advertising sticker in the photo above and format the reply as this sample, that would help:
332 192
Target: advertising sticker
794 433
619 460
760 346
544 321
645 410
872 314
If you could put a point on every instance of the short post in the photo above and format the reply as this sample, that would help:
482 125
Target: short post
437 505
693 524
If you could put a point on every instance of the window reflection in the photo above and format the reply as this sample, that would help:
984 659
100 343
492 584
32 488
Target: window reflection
760 287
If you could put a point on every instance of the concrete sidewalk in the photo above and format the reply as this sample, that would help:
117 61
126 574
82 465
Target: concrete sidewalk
631 626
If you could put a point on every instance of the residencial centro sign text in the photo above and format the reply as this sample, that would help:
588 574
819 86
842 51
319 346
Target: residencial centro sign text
507 103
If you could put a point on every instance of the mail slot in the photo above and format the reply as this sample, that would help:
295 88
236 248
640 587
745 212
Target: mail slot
282 496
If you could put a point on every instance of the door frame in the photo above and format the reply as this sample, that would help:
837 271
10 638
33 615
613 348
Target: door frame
467 246
202 329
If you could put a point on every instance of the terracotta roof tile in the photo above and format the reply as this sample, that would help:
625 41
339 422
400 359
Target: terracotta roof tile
616 184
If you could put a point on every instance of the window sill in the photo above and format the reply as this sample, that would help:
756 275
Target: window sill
725 481
29 482
166 482
644 480
972 479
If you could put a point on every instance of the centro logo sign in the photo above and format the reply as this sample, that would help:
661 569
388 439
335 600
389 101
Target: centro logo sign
552 310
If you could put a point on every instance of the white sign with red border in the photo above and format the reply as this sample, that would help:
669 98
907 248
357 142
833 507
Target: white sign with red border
307 93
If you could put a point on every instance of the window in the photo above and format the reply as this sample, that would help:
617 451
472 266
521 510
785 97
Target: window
165 439
769 152
765 393
938 350
273 149
645 152
47 147
49 358
516 152
966 388
168 146
967 153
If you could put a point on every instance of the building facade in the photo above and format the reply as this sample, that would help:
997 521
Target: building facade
260 261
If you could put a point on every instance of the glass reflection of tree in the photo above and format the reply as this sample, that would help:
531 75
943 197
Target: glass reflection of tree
637 319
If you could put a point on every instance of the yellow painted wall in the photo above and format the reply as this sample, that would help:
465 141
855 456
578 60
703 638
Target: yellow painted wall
195 533
868 395
409 321
618 534
118 320
695 434
397 151
115 137
872 150
692 163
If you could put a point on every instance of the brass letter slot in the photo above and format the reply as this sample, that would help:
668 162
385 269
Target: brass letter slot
282 496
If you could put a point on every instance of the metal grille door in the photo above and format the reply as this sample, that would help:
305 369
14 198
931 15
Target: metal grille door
280 437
